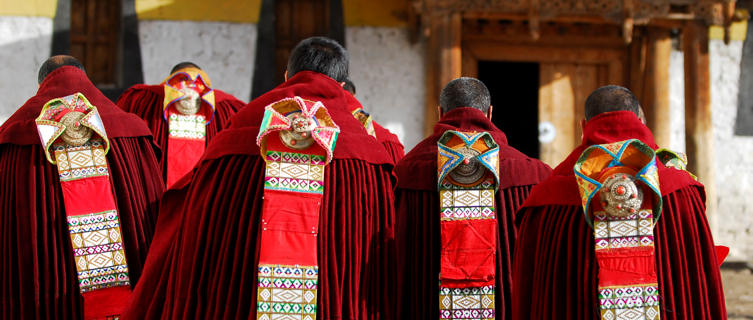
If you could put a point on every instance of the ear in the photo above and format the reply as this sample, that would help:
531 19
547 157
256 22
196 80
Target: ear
286 74
489 113
342 84
439 112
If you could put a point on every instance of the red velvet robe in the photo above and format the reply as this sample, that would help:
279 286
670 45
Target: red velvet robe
417 209
555 268
39 278
147 102
203 262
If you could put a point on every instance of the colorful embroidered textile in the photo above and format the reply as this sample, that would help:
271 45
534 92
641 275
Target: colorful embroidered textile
297 138
468 175
365 119
188 108
674 159
624 176
73 129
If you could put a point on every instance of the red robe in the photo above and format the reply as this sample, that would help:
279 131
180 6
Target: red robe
147 102
417 209
203 263
39 278
555 268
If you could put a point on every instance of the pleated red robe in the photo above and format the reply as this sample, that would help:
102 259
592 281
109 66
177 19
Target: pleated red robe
417 210
555 267
39 277
203 262
147 102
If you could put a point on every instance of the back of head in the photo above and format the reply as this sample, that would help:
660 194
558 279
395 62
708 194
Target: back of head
349 86
183 65
319 54
611 98
55 62
465 92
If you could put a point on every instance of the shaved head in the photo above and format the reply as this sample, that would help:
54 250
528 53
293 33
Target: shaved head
55 62
465 92
183 65
612 98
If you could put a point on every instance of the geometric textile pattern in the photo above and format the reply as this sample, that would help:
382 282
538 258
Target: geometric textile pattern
288 171
177 84
467 174
98 250
187 126
459 203
632 231
287 292
466 303
87 160
629 302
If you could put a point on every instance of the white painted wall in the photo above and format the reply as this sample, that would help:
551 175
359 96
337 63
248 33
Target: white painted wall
734 154
25 44
225 51
388 72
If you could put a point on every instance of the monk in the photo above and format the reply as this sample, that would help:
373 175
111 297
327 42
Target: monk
80 187
287 214
184 113
385 137
425 234
580 253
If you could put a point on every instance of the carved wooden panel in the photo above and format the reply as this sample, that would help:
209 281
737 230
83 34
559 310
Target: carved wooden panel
297 20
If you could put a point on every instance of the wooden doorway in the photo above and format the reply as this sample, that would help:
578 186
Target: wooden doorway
573 59
94 34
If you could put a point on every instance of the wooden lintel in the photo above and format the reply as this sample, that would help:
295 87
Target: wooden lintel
699 135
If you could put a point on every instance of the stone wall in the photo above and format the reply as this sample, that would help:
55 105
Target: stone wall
388 72
225 51
24 45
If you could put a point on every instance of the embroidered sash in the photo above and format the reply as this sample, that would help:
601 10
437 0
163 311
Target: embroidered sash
74 139
188 109
468 175
625 178
297 138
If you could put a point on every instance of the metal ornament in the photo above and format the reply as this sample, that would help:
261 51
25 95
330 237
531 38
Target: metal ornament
75 134
190 103
299 137
471 170
620 196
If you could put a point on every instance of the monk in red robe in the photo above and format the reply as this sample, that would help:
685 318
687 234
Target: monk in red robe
557 273
464 107
184 113
213 242
385 137
44 257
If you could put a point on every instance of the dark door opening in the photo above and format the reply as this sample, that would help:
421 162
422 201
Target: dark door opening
514 88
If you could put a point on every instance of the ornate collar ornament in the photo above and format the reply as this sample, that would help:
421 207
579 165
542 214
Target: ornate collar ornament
623 179
467 177
71 127
674 159
188 108
297 138
366 120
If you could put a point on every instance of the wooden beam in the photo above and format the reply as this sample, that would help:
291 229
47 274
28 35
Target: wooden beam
444 60
656 89
699 137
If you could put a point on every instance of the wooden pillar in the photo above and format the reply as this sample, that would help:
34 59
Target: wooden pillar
699 137
656 91
444 60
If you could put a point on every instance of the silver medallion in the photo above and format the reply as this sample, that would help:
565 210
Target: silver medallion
299 135
620 196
